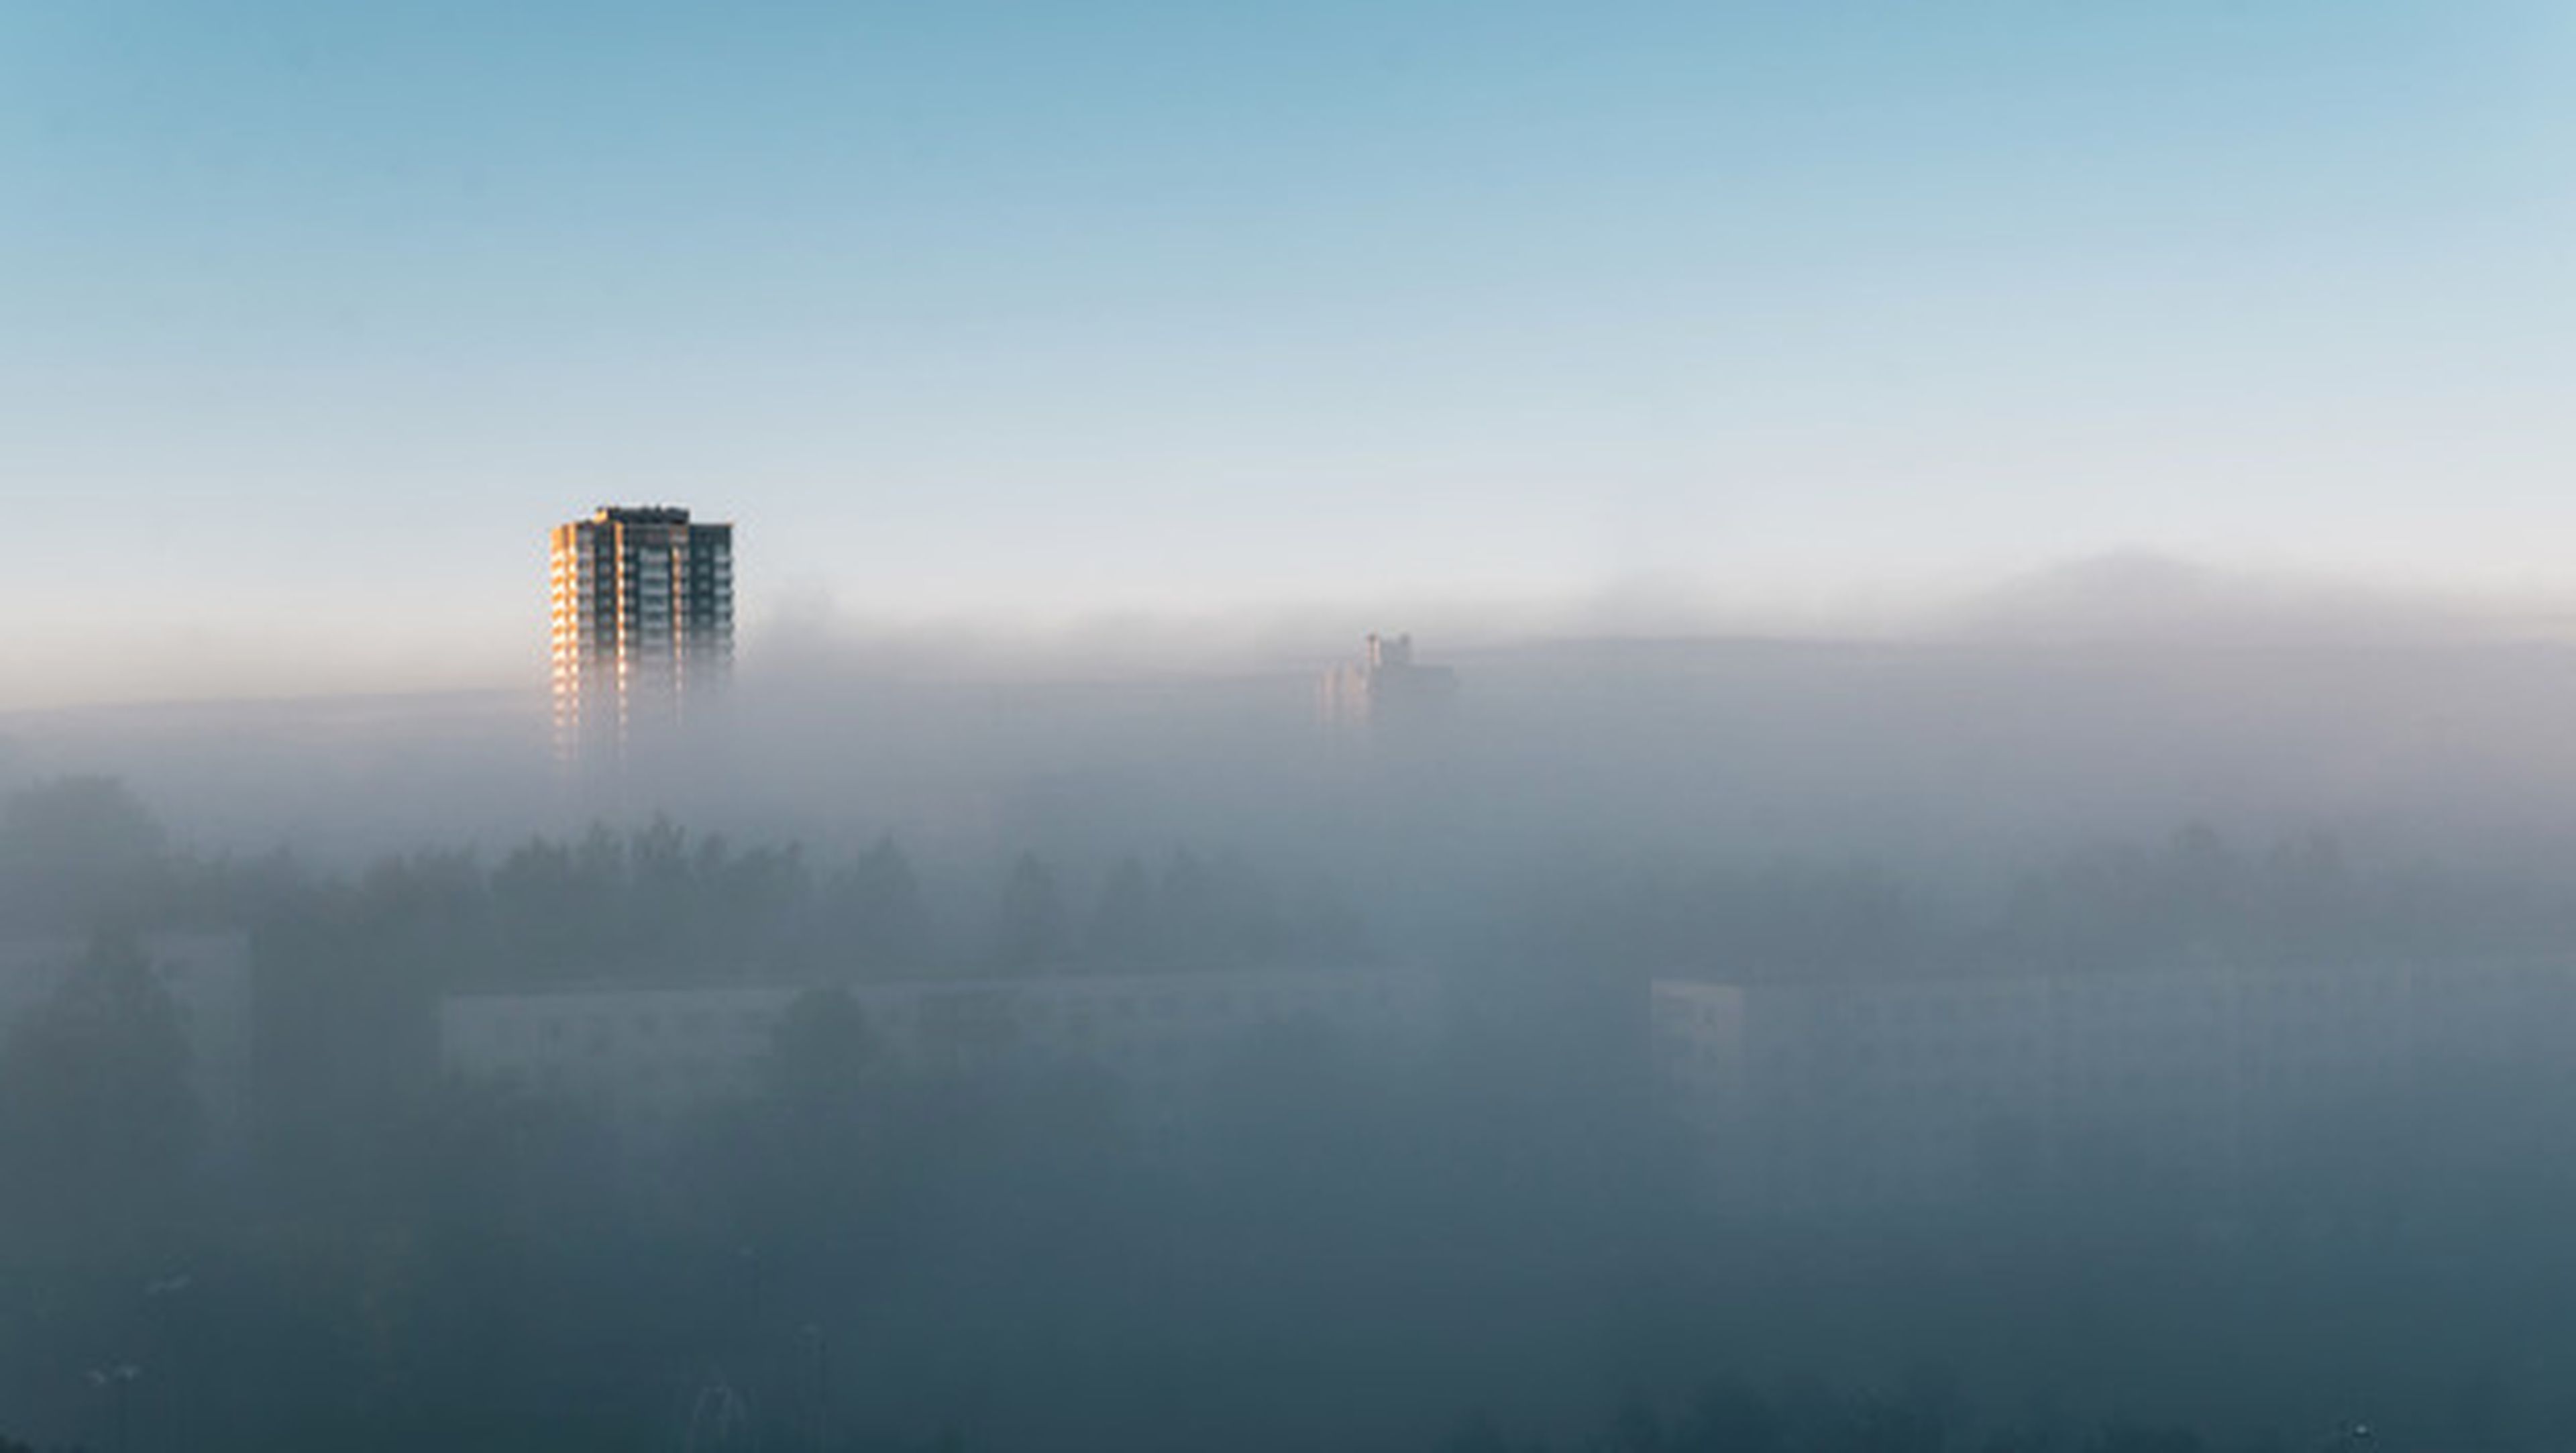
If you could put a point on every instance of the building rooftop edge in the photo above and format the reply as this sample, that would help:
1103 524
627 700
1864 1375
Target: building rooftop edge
649 515
2006 974
977 981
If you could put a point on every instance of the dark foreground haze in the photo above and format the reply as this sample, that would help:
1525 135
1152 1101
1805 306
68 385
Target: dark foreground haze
1759 1047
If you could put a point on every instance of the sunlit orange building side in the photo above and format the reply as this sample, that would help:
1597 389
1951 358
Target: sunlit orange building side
643 625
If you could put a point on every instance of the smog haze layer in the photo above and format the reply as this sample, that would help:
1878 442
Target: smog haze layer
1417 728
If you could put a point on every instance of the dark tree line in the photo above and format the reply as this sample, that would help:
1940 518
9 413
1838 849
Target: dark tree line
98 1123
869 1259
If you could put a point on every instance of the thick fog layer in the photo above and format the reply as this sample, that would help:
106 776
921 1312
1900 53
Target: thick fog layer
2031 1033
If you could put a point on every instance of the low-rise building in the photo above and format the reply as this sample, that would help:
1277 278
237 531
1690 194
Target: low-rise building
646 1055
1941 1091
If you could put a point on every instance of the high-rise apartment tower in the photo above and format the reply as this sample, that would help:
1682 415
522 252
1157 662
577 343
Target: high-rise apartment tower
643 625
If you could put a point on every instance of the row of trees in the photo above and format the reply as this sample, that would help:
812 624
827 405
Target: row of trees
659 901
98 1122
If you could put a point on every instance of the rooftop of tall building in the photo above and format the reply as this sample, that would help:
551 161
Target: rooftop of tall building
641 515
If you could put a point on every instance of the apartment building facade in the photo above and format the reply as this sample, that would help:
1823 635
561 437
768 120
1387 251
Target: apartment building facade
642 638
648 1057
1944 1091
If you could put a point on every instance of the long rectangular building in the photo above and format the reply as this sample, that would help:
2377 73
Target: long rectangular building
645 1056
1930 1092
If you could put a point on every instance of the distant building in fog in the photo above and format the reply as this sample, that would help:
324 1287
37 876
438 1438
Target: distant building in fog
645 1056
1385 684
1934 1092
643 625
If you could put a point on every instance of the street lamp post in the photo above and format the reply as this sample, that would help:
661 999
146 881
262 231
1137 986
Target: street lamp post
818 1347
718 1417
163 1295
117 1383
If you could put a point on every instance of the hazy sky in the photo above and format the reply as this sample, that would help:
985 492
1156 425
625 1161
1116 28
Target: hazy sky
314 316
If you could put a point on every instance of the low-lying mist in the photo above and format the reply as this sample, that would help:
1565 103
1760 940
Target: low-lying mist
2073 1021
2122 696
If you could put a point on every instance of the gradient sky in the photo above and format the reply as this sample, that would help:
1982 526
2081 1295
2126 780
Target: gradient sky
314 316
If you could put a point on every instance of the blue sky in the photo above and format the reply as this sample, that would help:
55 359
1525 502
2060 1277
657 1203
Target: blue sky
313 316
